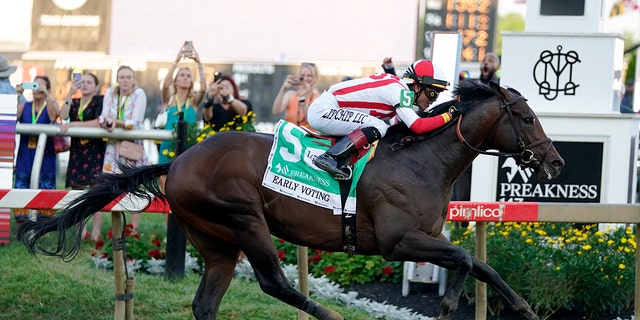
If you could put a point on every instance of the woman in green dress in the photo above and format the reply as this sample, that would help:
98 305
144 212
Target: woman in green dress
179 95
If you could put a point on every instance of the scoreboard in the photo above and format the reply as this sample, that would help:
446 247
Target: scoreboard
474 20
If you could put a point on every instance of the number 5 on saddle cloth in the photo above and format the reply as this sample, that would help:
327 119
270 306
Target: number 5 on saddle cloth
290 169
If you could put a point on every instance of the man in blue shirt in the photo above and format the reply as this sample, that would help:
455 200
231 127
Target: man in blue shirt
626 105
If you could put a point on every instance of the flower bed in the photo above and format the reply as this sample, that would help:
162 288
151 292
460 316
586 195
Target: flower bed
559 266
142 253
552 266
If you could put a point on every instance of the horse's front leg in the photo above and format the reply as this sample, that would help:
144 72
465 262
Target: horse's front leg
485 273
417 246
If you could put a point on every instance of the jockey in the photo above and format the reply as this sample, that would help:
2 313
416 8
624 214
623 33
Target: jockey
360 109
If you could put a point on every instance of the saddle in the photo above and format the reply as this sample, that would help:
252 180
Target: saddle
333 139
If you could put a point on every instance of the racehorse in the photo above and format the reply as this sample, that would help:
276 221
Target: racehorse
215 194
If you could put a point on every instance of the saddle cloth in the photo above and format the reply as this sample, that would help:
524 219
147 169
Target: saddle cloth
290 169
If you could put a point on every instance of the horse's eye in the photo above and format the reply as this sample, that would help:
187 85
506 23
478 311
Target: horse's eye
528 120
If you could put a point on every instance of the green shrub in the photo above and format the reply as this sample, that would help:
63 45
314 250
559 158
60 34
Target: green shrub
558 266
341 268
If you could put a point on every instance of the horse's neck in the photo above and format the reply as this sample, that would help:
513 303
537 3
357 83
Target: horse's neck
450 152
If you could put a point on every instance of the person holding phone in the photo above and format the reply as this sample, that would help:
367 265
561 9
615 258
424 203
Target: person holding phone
297 94
223 103
179 95
42 110
86 155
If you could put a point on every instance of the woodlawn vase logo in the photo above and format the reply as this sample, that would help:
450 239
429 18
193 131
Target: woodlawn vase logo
69 4
553 73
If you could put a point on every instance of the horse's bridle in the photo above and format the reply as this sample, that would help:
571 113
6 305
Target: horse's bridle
526 156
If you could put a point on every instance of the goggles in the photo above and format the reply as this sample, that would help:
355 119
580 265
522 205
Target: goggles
432 94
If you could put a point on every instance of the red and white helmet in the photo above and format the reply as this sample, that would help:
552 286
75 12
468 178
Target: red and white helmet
425 73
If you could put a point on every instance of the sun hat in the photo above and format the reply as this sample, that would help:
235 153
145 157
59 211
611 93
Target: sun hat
5 68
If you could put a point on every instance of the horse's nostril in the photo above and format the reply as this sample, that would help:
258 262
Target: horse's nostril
558 163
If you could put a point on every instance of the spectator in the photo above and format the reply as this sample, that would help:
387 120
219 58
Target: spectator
178 96
43 110
223 103
370 101
387 66
297 94
86 155
626 105
6 70
488 69
124 107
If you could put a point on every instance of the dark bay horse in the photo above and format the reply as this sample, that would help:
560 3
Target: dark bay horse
216 195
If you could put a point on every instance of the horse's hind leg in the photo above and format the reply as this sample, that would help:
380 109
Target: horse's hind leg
220 258
259 249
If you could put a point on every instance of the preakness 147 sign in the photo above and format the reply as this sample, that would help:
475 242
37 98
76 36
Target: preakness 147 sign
580 180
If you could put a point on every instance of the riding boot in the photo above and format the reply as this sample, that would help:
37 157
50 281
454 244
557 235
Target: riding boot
334 160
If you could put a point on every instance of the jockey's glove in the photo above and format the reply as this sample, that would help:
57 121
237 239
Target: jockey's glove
457 109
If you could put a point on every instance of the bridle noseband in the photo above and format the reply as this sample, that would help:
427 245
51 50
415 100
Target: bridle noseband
526 156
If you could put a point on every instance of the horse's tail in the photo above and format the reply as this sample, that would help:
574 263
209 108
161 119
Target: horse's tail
140 182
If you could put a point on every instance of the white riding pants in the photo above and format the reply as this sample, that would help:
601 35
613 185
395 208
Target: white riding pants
325 115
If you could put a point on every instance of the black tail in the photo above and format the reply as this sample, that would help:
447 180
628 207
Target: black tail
141 182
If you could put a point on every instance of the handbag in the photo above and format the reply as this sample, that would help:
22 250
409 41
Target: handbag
161 119
61 144
130 150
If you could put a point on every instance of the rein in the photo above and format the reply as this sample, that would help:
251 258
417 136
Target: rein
411 139
525 156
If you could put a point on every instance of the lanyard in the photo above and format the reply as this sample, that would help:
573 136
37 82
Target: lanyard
34 117
178 104
121 107
82 108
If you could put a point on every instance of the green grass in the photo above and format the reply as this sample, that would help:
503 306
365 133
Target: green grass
47 288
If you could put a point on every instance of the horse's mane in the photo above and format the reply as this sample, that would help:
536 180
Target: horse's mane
471 92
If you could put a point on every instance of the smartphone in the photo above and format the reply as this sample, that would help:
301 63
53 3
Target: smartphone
76 75
30 85
188 49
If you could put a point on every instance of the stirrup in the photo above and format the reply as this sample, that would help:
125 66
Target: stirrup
338 172
344 175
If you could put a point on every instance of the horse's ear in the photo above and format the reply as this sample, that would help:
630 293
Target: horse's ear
498 90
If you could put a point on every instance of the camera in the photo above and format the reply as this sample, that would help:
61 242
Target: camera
297 80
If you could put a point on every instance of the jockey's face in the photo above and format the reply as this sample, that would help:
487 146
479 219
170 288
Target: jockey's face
427 96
